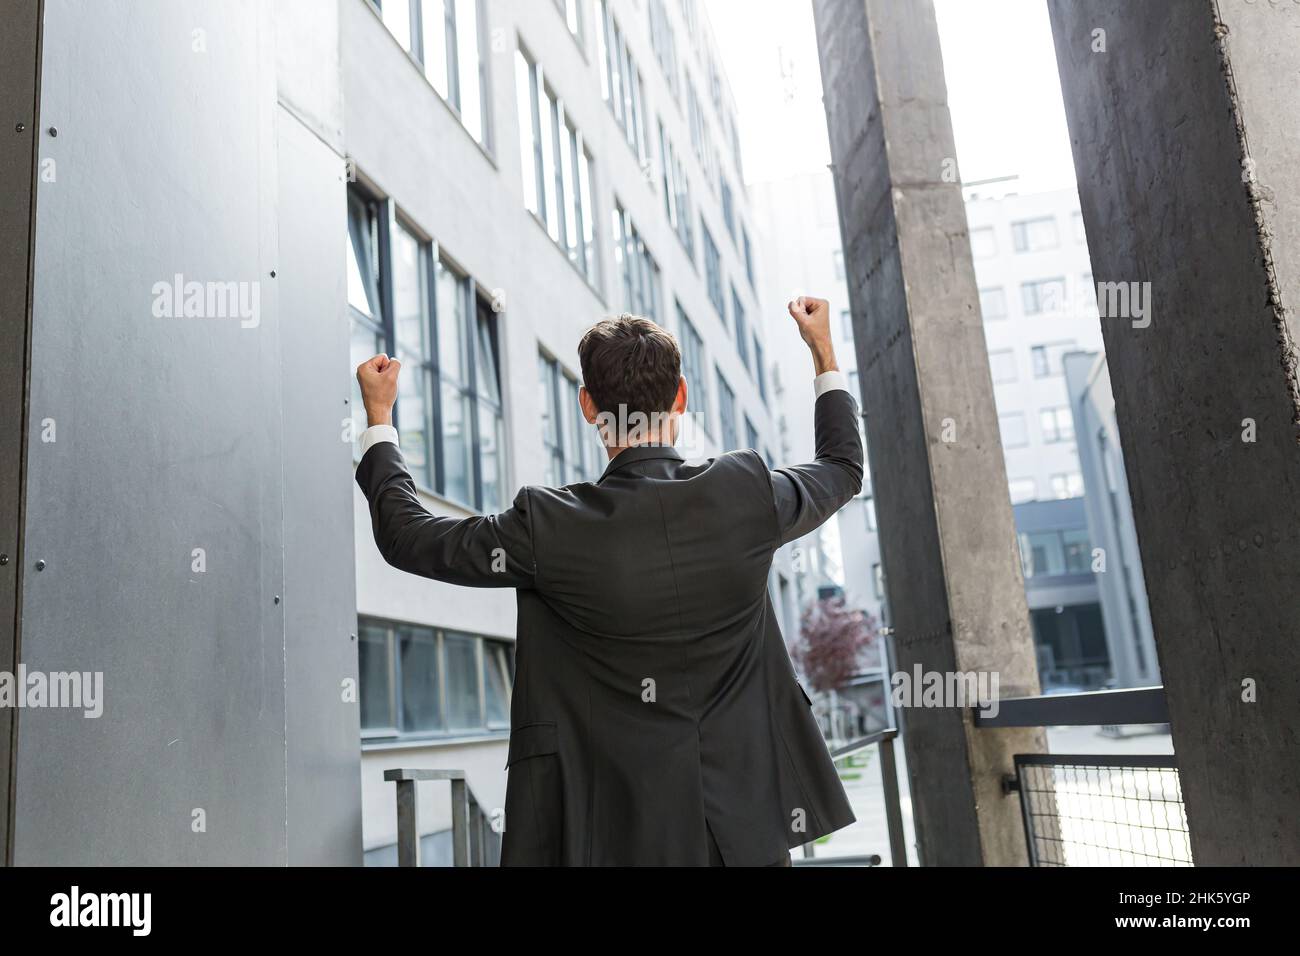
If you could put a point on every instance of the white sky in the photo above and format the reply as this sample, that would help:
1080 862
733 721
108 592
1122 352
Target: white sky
1003 89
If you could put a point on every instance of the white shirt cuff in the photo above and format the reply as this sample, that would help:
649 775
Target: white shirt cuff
375 434
823 383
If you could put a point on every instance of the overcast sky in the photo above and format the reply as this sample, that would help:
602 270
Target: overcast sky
1003 88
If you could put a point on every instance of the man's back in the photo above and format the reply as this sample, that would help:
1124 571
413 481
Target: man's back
655 717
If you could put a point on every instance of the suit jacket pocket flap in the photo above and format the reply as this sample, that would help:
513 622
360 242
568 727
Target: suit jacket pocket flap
532 740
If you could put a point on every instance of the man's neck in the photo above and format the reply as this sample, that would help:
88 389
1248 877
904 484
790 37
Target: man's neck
656 441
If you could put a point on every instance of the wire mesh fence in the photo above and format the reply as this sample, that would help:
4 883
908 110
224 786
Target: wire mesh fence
1103 810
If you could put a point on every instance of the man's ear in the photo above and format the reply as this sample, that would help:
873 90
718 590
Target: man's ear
588 405
679 403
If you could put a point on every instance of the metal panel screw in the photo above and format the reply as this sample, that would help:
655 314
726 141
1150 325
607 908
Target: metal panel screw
20 127
272 273
54 131
277 599
40 565
4 559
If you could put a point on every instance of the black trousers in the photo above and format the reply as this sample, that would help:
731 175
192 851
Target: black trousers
715 855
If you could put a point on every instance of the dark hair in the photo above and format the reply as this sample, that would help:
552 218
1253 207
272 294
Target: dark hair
630 361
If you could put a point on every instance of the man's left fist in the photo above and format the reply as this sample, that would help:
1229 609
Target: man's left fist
378 380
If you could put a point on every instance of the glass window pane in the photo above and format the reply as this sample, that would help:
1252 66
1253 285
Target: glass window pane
363 258
468 62
456 444
452 359
527 143
397 17
491 443
366 343
373 677
497 684
461 656
588 224
552 215
434 31
418 660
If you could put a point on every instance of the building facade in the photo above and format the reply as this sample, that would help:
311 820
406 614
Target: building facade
521 169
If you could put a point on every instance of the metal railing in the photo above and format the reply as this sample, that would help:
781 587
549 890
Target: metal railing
1096 809
884 740
471 831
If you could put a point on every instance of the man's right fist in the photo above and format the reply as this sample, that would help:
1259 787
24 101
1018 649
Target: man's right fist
378 380
813 316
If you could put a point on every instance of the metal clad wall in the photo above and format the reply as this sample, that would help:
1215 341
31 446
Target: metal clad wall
175 434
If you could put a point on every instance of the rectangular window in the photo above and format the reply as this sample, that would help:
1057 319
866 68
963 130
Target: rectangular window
677 193
993 303
727 414
664 44
556 165
572 446
838 257
620 81
1068 485
713 272
575 18
728 211
1043 296
1014 432
694 369
447 38
1034 235
749 256
869 511
751 435
760 370
415 403
740 329
637 268
1055 552
369 328
1076 225
1047 358
419 682
1057 424
878 579
1002 364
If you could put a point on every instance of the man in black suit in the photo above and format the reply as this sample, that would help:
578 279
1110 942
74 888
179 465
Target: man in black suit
655 718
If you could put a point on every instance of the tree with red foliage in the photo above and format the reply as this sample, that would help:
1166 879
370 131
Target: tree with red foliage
833 640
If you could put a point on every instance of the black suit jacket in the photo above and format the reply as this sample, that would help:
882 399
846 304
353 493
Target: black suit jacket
653 694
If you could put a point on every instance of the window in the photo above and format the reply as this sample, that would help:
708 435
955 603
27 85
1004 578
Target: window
1055 552
878 580
1057 424
869 511
727 414
846 324
1014 432
838 257
728 211
694 368
983 243
1002 364
639 272
741 330
415 401
749 256
575 18
1047 358
664 44
677 194
420 681
701 141
446 37
1022 489
620 81
1043 296
760 370
369 336
572 445
1068 485
1034 235
751 435
556 167
993 303
1076 226
713 272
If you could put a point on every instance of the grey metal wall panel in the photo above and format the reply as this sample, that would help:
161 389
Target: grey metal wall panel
320 580
19 72
169 437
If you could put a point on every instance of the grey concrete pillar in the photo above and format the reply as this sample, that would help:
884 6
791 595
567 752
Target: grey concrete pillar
1183 119
946 531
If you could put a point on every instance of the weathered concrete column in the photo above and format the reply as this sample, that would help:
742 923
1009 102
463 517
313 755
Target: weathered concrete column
1183 118
946 531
